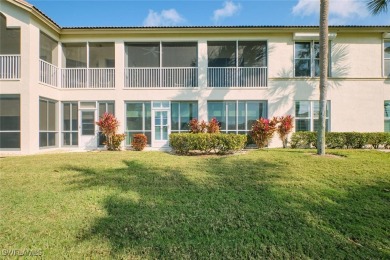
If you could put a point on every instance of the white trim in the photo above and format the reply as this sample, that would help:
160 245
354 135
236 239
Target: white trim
311 36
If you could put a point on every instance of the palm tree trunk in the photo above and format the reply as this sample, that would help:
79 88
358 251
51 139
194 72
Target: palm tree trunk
324 11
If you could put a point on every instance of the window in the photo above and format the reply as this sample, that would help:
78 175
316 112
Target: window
9 38
47 49
386 56
105 107
306 59
75 55
181 114
138 120
307 115
87 122
101 55
9 121
387 116
47 123
143 55
70 124
236 116
179 54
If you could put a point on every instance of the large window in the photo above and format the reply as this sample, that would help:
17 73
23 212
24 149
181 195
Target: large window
237 54
143 55
386 56
387 116
47 123
70 124
105 107
9 121
236 116
9 38
47 49
307 59
101 55
307 115
138 120
75 55
181 114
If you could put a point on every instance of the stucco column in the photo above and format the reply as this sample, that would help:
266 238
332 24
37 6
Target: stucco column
202 79
119 84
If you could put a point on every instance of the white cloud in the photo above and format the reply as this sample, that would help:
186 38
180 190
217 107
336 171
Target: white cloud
228 9
165 18
340 11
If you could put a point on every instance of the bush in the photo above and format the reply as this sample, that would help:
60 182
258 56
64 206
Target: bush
139 142
203 127
284 128
116 141
341 140
108 125
263 130
205 143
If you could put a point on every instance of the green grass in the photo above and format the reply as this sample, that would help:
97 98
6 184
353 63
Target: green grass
262 204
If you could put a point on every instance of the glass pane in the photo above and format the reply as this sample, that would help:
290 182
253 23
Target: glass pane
179 54
387 125
75 55
302 68
111 108
241 115
387 109
302 109
165 133
143 54
156 104
47 49
9 112
52 116
316 125
9 140
75 138
67 117
165 104
10 38
66 139
157 133
102 109
88 123
387 50
217 110
52 139
231 115
316 50
43 115
75 117
42 139
101 55
134 116
221 54
148 116
157 118
174 116
252 54
316 68
254 112
88 105
164 118
302 125
302 50
387 68
316 109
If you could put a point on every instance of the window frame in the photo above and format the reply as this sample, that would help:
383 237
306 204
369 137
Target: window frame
385 59
143 130
101 137
18 97
313 59
386 118
71 132
179 114
311 117
47 132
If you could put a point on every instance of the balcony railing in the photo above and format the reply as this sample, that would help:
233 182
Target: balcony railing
9 66
88 78
237 77
161 77
48 73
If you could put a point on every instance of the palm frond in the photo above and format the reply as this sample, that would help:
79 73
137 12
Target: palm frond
377 6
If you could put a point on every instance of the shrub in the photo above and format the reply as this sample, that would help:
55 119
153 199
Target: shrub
303 140
377 139
203 127
355 140
205 143
139 142
284 128
335 140
108 126
263 130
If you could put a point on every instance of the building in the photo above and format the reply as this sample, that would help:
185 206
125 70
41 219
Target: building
55 82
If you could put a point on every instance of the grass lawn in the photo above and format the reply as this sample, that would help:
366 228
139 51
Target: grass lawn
262 204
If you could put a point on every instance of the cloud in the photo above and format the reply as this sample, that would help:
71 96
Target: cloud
165 18
228 9
340 11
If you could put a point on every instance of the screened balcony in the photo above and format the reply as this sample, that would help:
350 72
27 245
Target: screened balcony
48 60
237 64
174 66
9 51
95 70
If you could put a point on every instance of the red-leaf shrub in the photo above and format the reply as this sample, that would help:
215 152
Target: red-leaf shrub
263 130
108 126
139 142
284 128
203 127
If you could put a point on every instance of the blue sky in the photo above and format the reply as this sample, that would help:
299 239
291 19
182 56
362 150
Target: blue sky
204 12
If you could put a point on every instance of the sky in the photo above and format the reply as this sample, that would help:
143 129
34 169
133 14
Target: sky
69 13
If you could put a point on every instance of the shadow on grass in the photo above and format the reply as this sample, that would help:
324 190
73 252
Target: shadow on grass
232 208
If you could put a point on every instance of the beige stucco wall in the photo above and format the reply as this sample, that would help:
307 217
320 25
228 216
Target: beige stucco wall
357 89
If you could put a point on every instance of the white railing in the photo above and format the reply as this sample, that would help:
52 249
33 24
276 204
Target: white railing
161 77
88 78
9 66
101 78
74 78
48 73
237 77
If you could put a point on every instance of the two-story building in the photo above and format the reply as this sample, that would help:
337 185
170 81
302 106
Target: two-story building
56 81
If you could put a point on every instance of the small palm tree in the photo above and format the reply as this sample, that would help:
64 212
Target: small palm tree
377 6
